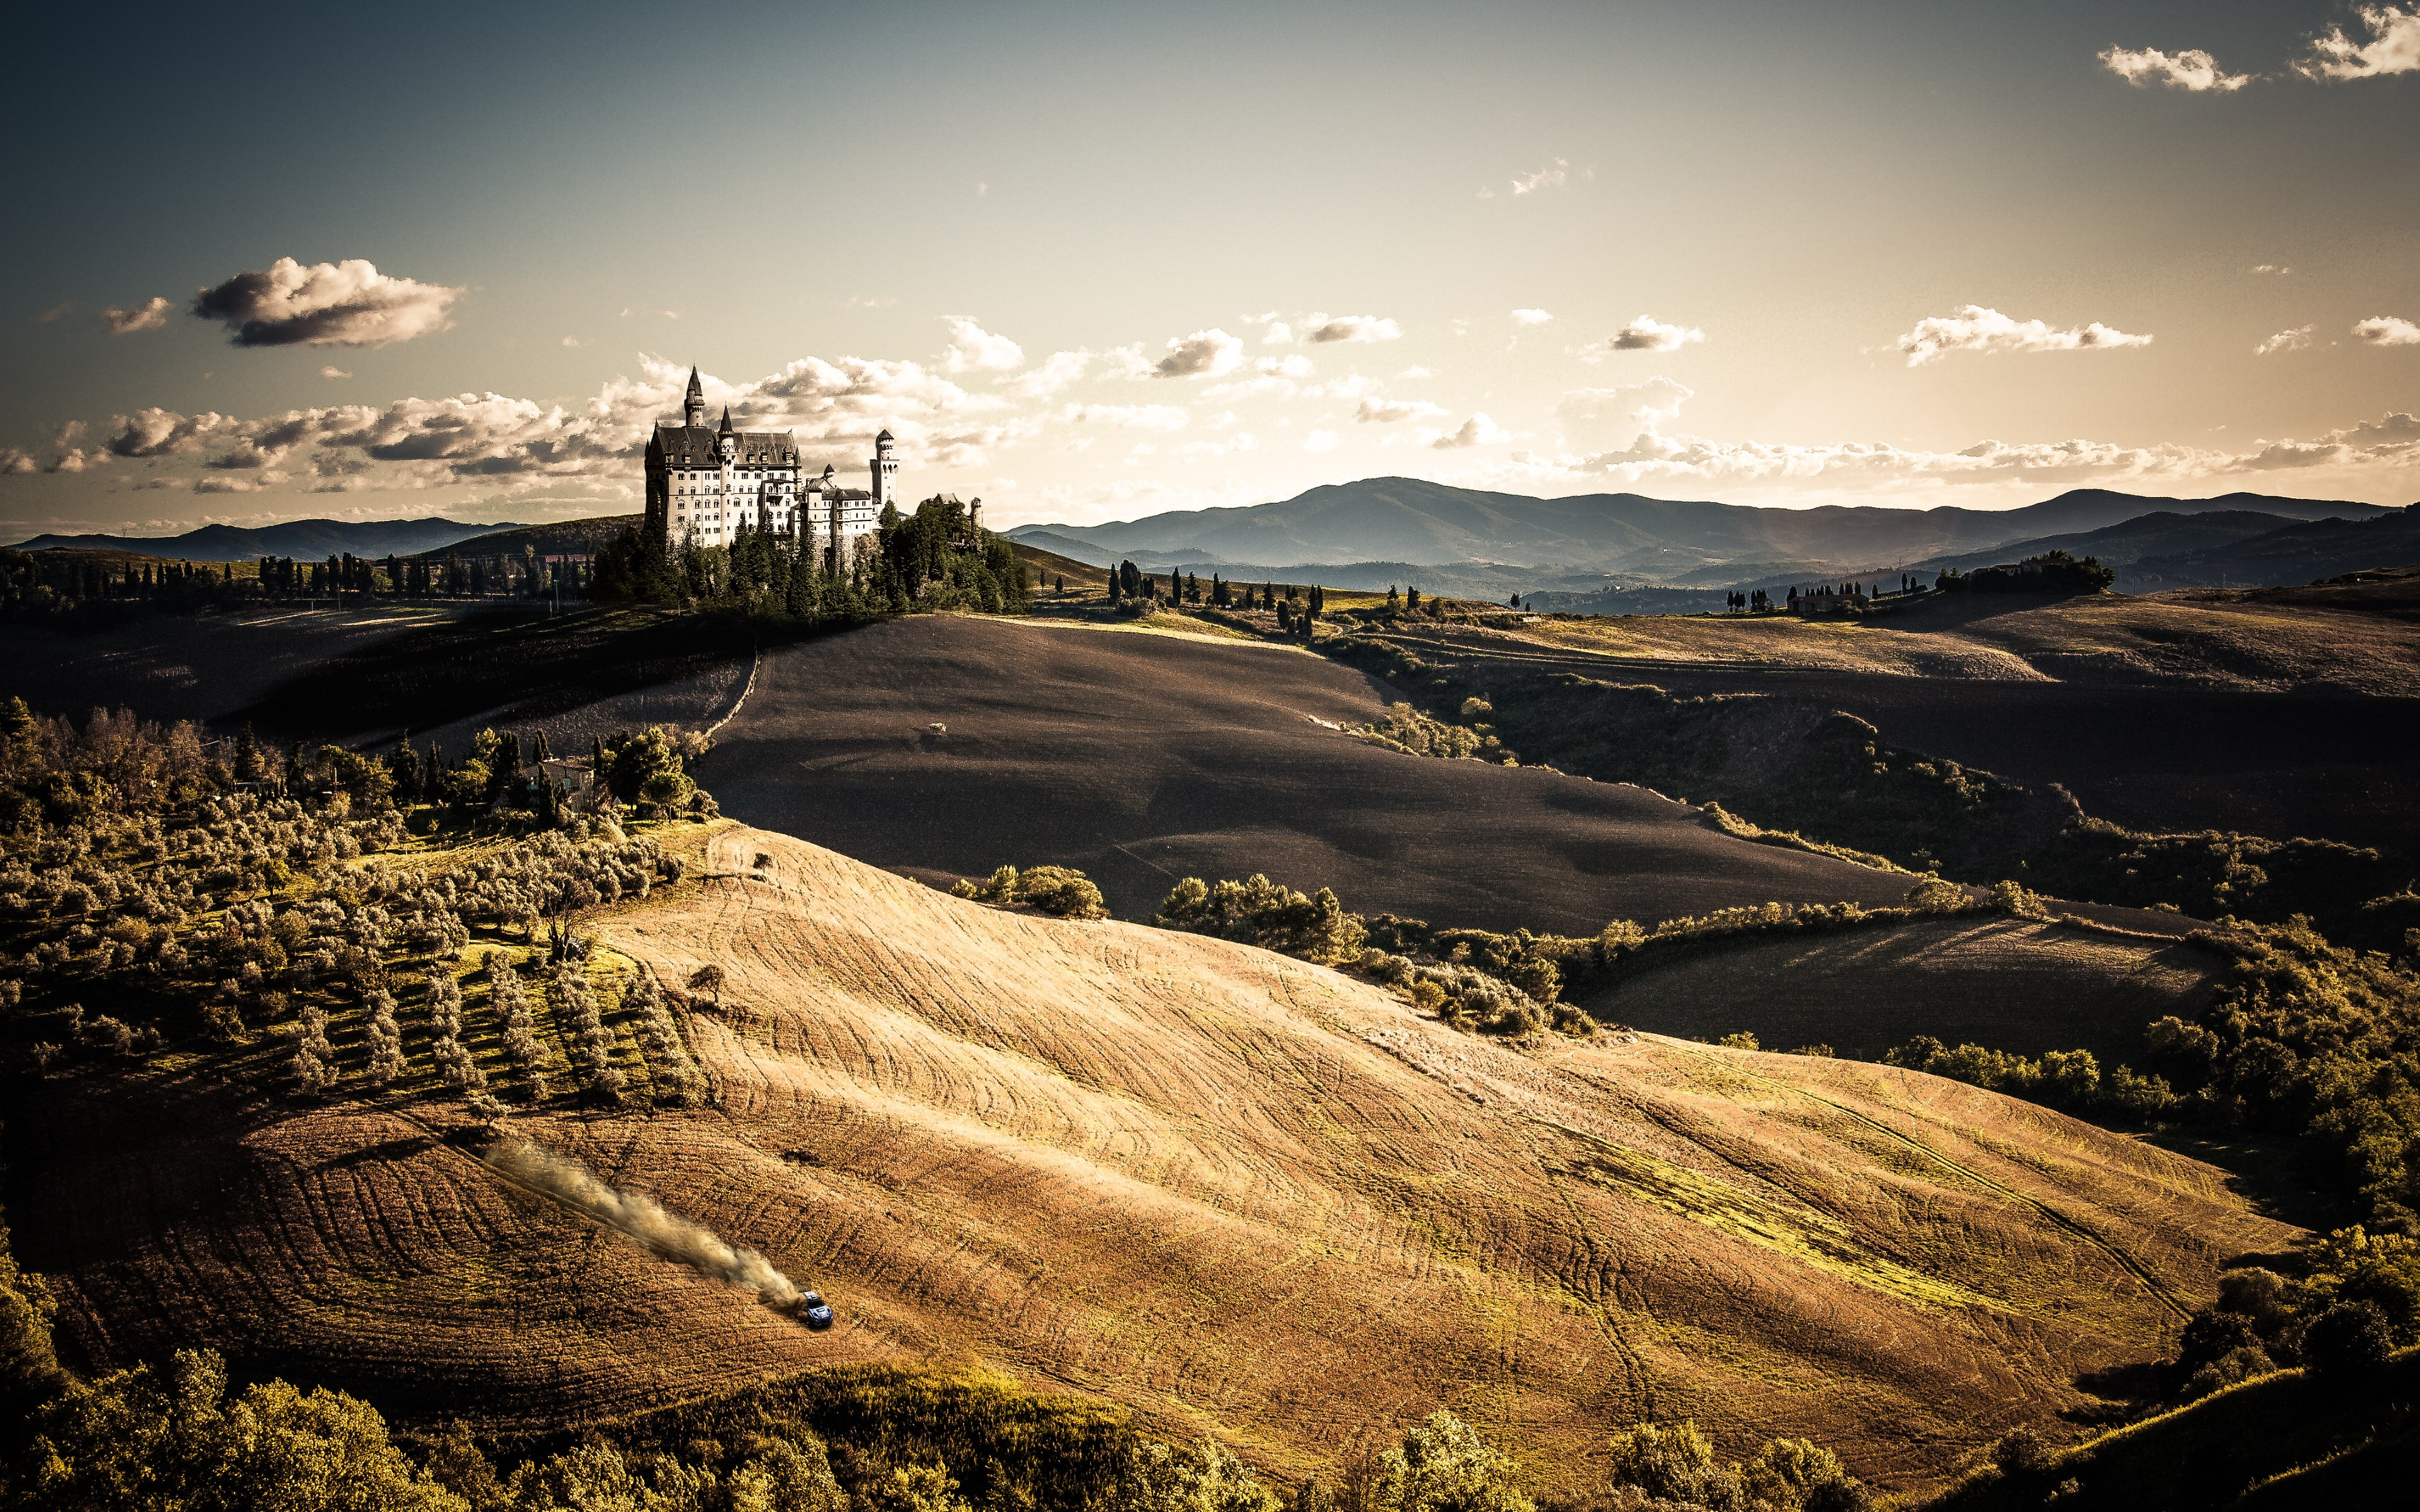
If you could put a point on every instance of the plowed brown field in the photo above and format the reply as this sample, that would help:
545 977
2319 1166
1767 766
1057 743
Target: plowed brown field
1238 1193
951 745
2011 984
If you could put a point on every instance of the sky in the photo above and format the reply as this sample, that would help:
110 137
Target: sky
1090 262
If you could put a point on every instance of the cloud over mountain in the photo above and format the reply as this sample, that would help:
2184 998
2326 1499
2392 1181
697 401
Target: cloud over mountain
348 303
1978 328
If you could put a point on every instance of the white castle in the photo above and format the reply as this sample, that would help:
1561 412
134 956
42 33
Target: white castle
704 482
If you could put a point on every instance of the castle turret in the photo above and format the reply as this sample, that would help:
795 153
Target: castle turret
885 468
693 407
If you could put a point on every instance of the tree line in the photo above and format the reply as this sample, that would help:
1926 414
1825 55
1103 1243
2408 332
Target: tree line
932 560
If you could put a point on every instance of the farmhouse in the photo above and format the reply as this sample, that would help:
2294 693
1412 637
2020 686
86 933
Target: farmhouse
706 483
1828 600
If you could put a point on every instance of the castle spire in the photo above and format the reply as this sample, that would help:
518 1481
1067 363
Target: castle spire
726 421
693 404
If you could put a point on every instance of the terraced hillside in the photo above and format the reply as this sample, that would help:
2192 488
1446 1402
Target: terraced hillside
1144 759
1241 1194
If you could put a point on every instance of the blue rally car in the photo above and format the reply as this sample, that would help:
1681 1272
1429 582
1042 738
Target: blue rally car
816 1311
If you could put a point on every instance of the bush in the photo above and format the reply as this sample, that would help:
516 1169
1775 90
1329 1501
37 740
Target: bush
1445 1466
2348 1342
2022 1451
1059 891
1257 911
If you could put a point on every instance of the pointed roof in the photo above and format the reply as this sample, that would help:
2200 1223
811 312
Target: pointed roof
884 437
725 429
696 390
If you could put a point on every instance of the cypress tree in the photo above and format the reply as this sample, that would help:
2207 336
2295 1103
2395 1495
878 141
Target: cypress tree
538 753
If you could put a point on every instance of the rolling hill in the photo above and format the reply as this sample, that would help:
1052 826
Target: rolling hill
2007 983
1407 520
303 539
566 537
1237 1194
1144 758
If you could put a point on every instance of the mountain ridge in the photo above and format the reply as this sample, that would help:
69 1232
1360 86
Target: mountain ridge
1411 522
291 538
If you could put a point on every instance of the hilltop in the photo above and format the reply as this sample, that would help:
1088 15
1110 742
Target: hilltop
568 537
1233 1192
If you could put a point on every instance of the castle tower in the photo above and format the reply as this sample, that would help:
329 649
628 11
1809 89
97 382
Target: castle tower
693 407
885 468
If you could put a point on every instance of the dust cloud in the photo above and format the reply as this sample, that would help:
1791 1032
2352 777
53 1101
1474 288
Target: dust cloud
643 1219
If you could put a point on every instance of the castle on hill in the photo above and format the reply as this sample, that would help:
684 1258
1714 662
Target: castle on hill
706 482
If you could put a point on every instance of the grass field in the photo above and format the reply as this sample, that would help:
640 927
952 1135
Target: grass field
1236 1192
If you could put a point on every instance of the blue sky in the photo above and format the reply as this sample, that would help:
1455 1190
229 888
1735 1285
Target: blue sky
1076 256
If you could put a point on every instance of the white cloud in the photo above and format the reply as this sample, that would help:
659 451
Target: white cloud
149 316
1292 365
332 371
858 301
2191 68
972 348
165 432
1203 354
1476 431
1977 329
1056 371
1530 318
1320 441
2388 331
1550 176
571 341
1351 386
1388 412
2393 46
1653 401
1278 334
1243 440
1161 417
2270 268
1644 334
2284 341
348 303
1414 371
1863 469
1323 327
17 459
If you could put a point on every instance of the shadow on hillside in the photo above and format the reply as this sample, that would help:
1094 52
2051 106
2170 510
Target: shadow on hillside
2268 1171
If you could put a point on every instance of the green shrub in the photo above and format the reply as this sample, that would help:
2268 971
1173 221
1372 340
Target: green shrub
1057 890
2347 1343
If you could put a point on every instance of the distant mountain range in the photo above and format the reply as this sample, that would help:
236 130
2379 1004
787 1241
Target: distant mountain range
305 538
1464 541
